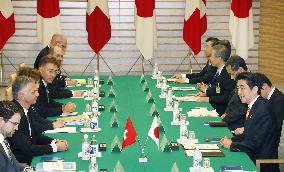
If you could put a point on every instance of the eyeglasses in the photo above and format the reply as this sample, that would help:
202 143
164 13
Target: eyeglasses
14 123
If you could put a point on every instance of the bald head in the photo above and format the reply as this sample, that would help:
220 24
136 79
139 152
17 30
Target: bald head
59 40
57 52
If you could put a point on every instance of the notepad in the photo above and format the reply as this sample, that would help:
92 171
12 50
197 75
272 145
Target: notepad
187 98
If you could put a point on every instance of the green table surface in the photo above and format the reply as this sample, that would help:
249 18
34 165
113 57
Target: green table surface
131 101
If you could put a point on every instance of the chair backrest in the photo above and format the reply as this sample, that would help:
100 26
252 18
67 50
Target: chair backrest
8 93
13 77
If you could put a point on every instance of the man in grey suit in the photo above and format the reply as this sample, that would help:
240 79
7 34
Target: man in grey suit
9 121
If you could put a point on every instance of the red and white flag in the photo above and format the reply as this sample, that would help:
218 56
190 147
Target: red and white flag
154 131
98 24
48 20
129 134
145 23
241 26
195 24
7 21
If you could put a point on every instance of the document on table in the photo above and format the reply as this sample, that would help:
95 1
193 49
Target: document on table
184 88
62 130
187 98
202 112
205 149
69 114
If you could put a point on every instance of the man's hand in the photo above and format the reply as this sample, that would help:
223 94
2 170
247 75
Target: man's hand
239 131
58 124
68 107
226 142
202 86
203 99
224 115
71 82
201 94
62 145
177 76
78 93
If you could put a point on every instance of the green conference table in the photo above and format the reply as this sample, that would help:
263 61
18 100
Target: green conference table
131 101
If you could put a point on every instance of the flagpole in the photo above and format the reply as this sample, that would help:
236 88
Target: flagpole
106 64
98 62
2 68
190 64
142 64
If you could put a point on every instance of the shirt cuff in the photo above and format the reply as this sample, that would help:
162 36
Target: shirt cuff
183 76
72 91
53 145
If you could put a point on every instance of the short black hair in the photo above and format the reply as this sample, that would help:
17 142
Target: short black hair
236 62
227 44
213 40
251 79
262 79
48 59
8 109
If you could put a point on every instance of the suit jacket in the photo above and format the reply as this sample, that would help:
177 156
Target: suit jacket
258 139
41 54
45 105
205 75
26 146
277 104
219 101
56 88
235 112
6 165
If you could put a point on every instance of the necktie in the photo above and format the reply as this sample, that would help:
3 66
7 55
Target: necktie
8 149
47 92
215 77
248 113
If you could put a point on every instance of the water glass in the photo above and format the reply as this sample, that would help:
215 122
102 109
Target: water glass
191 135
206 163
90 81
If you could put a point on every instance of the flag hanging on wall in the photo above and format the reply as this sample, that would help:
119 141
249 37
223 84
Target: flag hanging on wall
48 20
129 134
98 24
145 23
7 21
154 131
241 26
195 24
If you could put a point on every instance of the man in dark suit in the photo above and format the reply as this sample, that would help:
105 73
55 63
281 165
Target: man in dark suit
9 121
28 141
45 105
61 41
207 73
235 112
57 87
258 139
42 123
217 92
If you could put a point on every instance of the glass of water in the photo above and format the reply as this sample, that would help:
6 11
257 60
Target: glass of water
90 81
191 135
206 163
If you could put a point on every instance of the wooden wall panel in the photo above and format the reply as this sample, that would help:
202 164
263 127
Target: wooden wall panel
271 40
121 51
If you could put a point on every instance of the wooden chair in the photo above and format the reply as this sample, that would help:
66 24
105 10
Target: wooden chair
8 93
13 77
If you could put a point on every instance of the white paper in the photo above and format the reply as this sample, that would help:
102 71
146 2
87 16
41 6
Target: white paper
201 146
202 112
69 114
89 130
62 130
191 169
183 88
187 98
50 166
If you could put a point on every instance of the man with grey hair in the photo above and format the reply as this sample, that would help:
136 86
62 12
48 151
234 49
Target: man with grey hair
28 141
217 92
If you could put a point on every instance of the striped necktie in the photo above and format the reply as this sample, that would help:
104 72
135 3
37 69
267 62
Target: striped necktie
248 113
8 149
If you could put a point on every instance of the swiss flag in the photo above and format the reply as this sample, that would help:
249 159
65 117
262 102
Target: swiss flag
98 24
145 23
195 24
7 21
154 131
241 26
129 134
48 20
